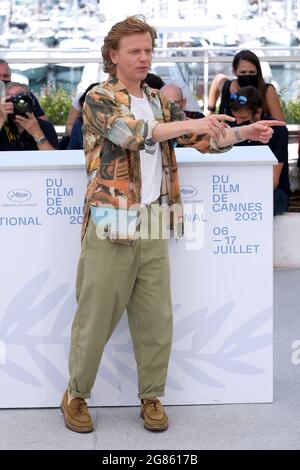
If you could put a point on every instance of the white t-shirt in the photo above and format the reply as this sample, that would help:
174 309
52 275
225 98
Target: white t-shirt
151 163
75 102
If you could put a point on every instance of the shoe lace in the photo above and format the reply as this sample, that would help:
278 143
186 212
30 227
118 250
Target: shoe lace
154 403
81 405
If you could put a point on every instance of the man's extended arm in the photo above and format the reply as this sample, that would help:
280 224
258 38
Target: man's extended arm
221 135
104 116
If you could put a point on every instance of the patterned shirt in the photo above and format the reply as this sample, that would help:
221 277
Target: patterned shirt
112 140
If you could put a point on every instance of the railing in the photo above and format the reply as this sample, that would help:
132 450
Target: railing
195 65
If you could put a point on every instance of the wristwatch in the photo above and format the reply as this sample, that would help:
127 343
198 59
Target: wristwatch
40 140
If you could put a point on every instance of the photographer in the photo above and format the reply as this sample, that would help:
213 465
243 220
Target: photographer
247 107
5 77
20 129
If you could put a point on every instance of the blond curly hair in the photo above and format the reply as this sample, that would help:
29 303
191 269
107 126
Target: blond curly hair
132 25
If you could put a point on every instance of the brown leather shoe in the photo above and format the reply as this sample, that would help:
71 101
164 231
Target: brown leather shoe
76 414
155 418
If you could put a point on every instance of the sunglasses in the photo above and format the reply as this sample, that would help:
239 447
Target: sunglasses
240 98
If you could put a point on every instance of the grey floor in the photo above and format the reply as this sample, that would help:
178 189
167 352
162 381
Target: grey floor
273 426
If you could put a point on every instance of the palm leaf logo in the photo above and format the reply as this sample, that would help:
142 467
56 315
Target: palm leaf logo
195 330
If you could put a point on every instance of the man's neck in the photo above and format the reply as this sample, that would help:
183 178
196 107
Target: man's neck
133 87
138 93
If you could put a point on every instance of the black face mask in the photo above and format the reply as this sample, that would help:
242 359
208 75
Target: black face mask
246 80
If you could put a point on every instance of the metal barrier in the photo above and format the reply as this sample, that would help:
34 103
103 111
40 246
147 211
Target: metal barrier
294 132
196 65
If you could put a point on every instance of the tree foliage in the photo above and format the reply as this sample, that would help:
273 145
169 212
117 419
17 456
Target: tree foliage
56 104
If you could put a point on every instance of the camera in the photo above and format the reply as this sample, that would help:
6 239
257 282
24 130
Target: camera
22 104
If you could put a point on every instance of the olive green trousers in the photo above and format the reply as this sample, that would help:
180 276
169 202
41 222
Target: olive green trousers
110 279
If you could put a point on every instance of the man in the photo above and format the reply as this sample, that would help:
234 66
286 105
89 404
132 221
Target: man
5 76
5 72
23 131
131 168
174 93
246 107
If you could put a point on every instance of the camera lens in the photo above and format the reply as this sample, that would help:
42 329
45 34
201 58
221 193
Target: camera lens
23 104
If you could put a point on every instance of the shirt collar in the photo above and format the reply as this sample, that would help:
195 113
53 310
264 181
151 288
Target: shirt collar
117 85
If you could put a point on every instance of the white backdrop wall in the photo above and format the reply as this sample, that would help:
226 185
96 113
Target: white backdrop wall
221 282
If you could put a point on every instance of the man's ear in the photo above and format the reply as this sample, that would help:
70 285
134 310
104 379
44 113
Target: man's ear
113 56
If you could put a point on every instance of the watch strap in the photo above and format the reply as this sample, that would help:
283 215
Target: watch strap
40 140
